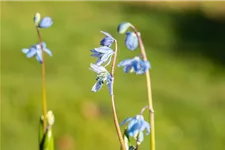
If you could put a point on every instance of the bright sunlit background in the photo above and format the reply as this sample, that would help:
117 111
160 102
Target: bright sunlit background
185 43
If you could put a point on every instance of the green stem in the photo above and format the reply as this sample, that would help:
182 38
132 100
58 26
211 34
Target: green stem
113 101
44 103
148 82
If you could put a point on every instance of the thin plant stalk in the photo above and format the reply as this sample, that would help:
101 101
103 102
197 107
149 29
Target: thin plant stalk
113 101
44 102
149 91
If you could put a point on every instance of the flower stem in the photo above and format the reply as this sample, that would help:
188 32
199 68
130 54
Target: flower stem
113 101
44 103
148 82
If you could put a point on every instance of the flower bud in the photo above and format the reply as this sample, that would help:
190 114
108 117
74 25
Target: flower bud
131 40
122 28
46 22
37 18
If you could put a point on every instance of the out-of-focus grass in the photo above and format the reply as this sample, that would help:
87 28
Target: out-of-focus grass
188 90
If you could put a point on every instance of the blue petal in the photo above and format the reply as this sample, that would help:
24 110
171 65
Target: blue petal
134 130
31 52
135 65
98 69
39 56
107 34
125 62
46 22
131 41
103 49
109 60
125 121
48 51
25 50
109 84
132 122
127 68
106 56
96 54
147 127
99 62
97 86
107 41
39 59
140 138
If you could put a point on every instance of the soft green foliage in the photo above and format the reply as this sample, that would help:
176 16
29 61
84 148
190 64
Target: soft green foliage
188 88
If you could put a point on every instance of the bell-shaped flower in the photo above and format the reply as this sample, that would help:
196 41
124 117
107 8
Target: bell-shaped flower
103 76
46 22
36 50
104 54
131 40
108 40
135 64
136 126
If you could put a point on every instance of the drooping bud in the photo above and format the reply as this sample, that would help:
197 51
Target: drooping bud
122 28
131 40
46 22
37 18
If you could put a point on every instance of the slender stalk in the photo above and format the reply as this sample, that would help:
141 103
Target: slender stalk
113 101
44 103
148 82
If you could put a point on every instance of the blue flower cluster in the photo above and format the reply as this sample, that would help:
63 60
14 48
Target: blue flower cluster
135 64
103 54
37 49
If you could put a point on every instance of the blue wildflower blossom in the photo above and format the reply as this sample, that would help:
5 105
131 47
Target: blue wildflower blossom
103 54
135 64
36 51
131 40
136 126
46 22
108 40
103 76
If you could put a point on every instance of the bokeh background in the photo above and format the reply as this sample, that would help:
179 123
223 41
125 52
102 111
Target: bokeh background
185 43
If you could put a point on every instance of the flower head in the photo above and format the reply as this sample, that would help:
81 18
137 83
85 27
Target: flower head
46 22
36 51
107 40
136 126
131 40
103 54
135 64
103 76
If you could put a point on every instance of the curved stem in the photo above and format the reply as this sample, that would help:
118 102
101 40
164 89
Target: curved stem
44 103
113 101
148 81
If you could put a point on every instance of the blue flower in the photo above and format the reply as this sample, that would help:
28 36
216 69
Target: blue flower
103 76
136 126
36 51
103 54
131 40
107 40
135 64
46 22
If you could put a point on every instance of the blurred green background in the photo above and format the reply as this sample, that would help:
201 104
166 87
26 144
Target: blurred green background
185 44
